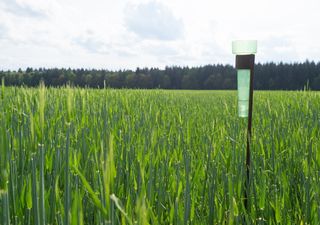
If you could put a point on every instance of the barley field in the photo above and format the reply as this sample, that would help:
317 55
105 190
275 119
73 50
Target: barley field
85 156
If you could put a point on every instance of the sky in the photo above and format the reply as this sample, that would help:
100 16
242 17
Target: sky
126 34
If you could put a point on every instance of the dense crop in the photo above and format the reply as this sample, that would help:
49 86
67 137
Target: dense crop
82 156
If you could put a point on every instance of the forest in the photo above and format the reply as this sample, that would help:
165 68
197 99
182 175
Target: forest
267 76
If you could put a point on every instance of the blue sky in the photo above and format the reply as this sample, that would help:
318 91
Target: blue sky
126 34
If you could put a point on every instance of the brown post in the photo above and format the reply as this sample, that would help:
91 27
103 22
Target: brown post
247 62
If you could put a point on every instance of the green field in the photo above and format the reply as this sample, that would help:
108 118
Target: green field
83 156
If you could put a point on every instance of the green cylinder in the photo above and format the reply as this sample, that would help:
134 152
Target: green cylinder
243 91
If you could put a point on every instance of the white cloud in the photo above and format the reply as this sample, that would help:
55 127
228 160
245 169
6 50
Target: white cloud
23 9
92 44
3 31
131 33
153 20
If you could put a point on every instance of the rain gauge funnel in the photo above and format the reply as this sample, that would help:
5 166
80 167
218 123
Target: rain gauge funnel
244 51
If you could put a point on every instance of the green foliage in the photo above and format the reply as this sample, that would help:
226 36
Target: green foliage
87 156
268 76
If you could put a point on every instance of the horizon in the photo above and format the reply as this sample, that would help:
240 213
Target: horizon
159 68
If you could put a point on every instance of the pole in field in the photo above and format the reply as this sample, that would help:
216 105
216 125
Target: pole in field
244 51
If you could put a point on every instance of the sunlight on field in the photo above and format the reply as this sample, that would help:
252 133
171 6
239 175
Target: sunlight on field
84 156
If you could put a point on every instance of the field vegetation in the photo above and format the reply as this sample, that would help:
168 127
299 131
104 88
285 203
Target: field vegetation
85 156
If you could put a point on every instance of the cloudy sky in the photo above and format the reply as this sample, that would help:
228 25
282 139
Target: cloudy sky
125 34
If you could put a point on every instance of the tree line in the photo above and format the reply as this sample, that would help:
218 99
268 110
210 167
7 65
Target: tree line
268 76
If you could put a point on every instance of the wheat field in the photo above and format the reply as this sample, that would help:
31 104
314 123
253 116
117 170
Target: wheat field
83 156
